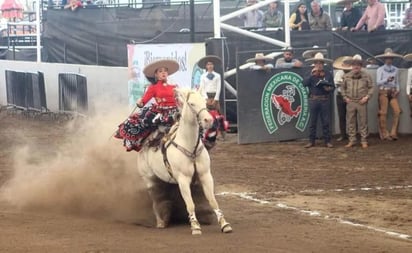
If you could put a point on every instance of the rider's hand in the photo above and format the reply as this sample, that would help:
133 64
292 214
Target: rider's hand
139 103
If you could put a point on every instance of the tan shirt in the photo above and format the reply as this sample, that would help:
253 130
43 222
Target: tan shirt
356 88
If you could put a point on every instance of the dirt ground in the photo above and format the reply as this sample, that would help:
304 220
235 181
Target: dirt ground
71 188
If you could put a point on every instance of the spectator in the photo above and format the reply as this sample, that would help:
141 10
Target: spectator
408 58
287 61
342 68
318 18
321 86
254 18
261 62
350 15
407 21
299 18
74 4
357 89
312 52
373 17
210 81
372 63
387 79
273 17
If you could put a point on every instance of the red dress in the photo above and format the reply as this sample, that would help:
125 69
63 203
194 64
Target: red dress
141 124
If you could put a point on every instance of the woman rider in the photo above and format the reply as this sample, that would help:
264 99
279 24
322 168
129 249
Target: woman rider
139 125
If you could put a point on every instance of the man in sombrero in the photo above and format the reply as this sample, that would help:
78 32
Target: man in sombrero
408 58
387 80
357 89
140 124
261 62
321 86
341 69
210 80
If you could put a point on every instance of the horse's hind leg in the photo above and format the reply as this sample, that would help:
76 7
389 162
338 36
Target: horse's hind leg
208 188
161 204
184 187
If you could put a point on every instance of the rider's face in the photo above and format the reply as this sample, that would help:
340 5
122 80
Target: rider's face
162 74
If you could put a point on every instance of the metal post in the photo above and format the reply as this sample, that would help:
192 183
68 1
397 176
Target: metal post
192 21
216 18
38 28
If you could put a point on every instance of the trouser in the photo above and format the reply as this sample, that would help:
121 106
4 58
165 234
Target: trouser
341 106
319 107
211 103
410 104
386 98
353 110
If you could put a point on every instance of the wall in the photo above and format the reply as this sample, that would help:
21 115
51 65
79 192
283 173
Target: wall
108 84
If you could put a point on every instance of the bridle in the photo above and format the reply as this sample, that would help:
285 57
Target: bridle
198 149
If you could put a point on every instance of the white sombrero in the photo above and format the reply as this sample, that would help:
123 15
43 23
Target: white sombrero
389 54
209 58
259 56
311 52
408 57
319 57
339 63
355 59
171 65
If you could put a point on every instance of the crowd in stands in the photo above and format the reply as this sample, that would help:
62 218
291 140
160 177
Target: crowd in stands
316 18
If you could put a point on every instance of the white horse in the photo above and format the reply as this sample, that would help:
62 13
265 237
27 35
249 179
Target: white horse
182 158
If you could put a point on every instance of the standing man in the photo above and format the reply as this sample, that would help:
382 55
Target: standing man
350 15
357 89
321 86
273 17
210 81
287 61
408 58
387 79
254 18
318 18
373 17
342 68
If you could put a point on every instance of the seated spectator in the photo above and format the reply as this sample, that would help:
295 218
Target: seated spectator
408 58
273 17
254 18
74 4
261 62
312 52
299 18
350 15
318 18
407 21
287 61
371 63
373 17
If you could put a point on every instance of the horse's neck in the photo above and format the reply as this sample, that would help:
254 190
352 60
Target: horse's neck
187 133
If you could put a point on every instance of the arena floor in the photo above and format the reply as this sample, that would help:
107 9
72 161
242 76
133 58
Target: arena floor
73 189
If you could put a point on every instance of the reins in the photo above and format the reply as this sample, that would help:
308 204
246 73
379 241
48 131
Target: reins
190 154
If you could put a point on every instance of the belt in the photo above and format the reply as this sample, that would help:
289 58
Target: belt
319 96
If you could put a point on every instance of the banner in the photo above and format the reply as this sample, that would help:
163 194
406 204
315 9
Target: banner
140 55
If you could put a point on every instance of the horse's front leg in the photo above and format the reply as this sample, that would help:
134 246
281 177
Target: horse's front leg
206 180
184 187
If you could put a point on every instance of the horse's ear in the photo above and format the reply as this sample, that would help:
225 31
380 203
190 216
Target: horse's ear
180 98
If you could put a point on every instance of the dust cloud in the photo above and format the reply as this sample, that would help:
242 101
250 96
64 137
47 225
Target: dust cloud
80 170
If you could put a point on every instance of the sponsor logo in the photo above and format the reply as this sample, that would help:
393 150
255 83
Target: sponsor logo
284 101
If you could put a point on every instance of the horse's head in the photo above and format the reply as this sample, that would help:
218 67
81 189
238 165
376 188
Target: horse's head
194 102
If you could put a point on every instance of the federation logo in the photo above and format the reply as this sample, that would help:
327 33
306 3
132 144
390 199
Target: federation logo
284 101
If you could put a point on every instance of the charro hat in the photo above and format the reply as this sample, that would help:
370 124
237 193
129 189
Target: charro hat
319 57
171 65
259 56
209 58
355 59
339 63
389 54
311 52
408 57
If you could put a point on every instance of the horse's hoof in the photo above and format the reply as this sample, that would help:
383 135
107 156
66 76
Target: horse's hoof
161 225
196 232
227 228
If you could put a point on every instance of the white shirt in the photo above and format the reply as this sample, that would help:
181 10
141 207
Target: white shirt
338 79
210 86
